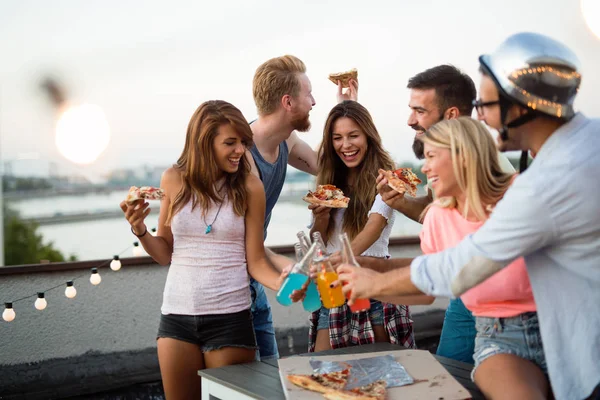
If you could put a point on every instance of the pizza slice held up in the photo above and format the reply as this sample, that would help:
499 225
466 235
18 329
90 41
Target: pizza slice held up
328 196
402 180
144 192
344 77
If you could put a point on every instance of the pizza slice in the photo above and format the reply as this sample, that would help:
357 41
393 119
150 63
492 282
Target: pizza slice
328 196
144 192
344 77
372 391
321 383
402 180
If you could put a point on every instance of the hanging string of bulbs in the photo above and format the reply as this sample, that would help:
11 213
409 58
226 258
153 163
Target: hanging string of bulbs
41 303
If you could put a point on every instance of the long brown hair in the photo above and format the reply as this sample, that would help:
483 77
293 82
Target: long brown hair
197 163
332 169
474 162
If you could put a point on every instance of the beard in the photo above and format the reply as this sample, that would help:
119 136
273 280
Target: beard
301 124
418 148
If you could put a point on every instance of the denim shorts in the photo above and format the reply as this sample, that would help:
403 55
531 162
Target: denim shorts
518 335
457 340
210 332
263 323
375 315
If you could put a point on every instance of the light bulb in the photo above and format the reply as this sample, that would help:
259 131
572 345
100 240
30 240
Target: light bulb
115 264
95 278
137 250
8 314
40 302
70 291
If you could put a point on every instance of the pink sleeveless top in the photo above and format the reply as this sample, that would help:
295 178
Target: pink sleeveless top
208 273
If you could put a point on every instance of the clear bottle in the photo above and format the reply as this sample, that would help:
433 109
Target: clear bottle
304 240
299 250
296 279
348 258
317 238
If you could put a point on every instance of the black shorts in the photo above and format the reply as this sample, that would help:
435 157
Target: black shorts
210 332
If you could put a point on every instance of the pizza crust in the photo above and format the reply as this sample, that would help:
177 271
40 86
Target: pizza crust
344 77
333 381
306 382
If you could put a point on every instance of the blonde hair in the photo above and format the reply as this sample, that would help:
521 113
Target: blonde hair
474 161
332 169
197 163
274 79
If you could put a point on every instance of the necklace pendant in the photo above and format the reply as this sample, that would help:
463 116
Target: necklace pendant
208 229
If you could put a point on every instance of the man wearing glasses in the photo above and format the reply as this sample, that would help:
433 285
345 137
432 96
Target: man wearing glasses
438 93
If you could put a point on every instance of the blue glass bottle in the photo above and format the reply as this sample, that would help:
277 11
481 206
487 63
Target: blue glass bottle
297 278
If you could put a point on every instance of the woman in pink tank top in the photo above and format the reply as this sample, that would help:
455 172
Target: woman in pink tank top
462 168
210 231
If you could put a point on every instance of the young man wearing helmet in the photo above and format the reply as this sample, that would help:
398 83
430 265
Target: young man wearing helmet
550 215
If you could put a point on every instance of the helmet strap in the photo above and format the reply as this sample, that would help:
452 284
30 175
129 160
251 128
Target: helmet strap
522 120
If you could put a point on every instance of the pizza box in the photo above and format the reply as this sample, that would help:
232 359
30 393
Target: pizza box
420 364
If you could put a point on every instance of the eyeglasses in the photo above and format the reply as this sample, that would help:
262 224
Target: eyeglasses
479 105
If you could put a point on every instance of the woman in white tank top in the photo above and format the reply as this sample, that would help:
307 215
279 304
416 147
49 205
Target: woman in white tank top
349 157
211 233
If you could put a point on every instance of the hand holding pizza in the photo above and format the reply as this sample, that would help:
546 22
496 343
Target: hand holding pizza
347 79
391 197
351 93
320 213
135 213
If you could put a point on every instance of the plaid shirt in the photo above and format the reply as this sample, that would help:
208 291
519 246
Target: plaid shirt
351 329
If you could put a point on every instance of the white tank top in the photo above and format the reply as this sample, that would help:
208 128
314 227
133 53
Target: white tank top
208 273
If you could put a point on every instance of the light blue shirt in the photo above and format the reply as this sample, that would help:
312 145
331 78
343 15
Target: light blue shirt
551 216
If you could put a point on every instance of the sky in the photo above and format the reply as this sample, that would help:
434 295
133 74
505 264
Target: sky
149 64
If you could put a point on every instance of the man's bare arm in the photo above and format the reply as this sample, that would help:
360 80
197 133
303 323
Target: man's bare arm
301 155
412 207
382 264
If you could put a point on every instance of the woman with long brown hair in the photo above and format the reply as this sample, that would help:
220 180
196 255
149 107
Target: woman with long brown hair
349 157
210 231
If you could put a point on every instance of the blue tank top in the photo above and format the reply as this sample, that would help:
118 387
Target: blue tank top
272 177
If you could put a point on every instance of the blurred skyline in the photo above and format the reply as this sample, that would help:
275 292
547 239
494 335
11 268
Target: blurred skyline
149 64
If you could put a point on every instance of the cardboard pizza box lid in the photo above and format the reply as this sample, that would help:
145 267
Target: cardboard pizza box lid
420 364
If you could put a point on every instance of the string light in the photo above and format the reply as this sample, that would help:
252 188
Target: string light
95 278
137 250
115 264
40 302
70 291
9 314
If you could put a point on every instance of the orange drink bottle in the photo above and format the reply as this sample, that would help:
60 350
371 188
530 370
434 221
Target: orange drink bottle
348 258
330 297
